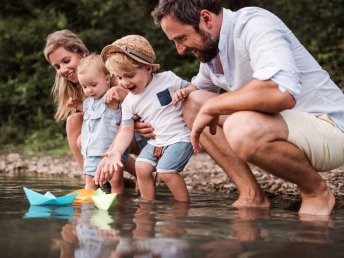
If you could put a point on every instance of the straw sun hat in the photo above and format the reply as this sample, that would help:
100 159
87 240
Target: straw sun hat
134 46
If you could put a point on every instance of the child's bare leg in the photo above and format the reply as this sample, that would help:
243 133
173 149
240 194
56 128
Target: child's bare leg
145 180
129 166
176 185
117 182
89 183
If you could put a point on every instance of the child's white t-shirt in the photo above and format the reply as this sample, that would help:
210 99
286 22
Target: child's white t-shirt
154 105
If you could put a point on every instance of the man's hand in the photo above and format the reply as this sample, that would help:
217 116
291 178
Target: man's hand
202 120
143 128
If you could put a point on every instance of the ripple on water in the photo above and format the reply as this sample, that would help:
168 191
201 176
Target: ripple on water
206 227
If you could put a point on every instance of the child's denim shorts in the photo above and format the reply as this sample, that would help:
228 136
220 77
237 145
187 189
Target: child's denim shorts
174 157
91 163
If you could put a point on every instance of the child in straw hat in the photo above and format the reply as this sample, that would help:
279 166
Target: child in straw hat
131 59
101 120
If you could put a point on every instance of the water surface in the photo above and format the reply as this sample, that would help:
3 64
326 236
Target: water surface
207 227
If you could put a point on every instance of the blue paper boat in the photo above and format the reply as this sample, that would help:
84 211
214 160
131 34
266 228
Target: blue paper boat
48 198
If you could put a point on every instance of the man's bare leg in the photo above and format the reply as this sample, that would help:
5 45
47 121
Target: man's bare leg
289 162
250 193
261 140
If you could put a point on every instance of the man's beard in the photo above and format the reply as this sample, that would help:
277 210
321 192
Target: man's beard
209 48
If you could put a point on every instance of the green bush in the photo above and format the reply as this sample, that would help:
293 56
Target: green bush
26 108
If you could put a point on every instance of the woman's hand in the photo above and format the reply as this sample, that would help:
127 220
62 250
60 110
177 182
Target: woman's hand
72 102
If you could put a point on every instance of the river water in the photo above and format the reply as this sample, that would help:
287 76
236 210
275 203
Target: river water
207 227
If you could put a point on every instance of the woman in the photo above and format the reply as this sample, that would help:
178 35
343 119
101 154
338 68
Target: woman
64 50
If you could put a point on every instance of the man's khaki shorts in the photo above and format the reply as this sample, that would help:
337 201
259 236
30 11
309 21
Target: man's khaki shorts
318 137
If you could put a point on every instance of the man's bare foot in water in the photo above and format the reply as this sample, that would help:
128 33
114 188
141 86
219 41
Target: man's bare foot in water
258 200
320 204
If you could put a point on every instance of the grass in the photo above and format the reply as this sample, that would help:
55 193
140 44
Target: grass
44 142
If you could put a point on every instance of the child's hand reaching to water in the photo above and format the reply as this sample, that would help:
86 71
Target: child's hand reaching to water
107 167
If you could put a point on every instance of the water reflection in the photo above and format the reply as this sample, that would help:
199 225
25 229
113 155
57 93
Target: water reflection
316 229
245 226
93 233
88 234
51 211
249 239
207 227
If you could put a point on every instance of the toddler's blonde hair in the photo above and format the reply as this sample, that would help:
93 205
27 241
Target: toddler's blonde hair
92 61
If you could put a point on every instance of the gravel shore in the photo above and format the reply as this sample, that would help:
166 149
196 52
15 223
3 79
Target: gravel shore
201 174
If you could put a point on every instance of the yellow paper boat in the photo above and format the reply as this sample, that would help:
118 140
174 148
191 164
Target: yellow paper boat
83 195
102 200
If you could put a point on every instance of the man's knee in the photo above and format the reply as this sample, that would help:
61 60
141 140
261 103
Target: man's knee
190 109
193 104
241 134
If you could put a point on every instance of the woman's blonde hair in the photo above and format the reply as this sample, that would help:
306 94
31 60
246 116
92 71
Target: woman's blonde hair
63 89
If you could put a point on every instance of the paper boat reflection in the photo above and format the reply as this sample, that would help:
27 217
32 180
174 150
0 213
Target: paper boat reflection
101 219
56 212
48 198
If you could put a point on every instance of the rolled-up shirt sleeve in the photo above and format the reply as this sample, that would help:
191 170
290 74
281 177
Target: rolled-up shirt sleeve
268 47
203 80
127 114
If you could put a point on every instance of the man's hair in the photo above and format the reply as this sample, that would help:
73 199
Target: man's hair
185 11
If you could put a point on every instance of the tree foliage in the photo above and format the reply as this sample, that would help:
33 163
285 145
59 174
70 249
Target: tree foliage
26 78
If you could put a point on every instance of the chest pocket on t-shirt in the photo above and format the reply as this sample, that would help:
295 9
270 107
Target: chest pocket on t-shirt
164 97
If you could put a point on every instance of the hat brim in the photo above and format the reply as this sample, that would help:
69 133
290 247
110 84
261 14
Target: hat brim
111 49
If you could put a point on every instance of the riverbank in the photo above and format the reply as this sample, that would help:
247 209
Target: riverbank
201 174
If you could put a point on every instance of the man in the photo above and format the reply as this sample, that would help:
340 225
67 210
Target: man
282 112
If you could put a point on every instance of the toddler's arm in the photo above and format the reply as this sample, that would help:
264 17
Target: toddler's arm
115 93
114 154
182 94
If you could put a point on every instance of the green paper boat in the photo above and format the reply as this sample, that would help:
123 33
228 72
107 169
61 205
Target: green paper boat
102 200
